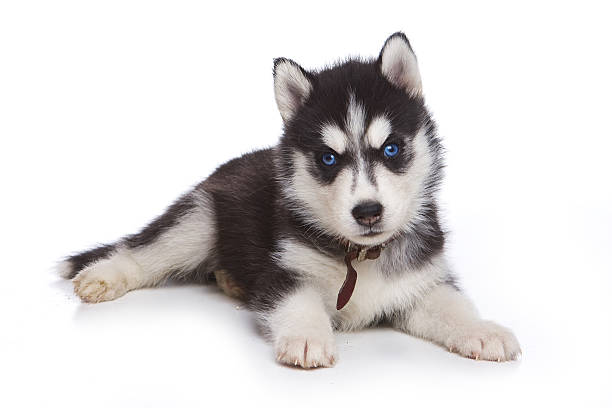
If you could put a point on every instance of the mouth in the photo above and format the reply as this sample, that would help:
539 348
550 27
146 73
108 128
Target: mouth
372 230
371 237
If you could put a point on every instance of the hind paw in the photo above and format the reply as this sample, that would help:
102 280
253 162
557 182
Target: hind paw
100 282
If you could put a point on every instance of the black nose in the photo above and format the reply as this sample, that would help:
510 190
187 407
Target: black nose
367 213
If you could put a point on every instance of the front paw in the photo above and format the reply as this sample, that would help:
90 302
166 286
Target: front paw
485 340
306 351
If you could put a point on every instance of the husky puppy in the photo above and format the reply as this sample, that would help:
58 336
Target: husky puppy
349 191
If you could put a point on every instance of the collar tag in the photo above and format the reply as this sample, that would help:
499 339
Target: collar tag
362 254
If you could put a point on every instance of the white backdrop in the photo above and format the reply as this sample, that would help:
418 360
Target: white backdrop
109 110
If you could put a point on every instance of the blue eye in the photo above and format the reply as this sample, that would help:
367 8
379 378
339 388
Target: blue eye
328 159
391 150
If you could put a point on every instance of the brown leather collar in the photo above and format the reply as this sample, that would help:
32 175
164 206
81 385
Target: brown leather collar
359 253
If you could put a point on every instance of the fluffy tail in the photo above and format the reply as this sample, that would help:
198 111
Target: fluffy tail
69 267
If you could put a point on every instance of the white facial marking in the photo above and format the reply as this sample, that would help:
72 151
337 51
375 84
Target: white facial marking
355 119
291 88
324 205
364 190
334 137
402 194
378 131
328 207
399 66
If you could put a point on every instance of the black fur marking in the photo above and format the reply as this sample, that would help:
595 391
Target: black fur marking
248 223
370 168
426 238
328 173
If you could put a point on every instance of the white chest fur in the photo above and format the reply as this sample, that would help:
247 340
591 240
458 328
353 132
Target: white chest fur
377 293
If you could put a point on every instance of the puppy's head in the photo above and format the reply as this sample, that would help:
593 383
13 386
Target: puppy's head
359 156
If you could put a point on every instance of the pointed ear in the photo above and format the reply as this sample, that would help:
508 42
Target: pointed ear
292 86
399 64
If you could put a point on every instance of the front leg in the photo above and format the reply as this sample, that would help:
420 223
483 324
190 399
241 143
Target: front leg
301 330
447 317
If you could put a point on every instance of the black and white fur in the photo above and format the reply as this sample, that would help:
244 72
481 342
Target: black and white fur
276 222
